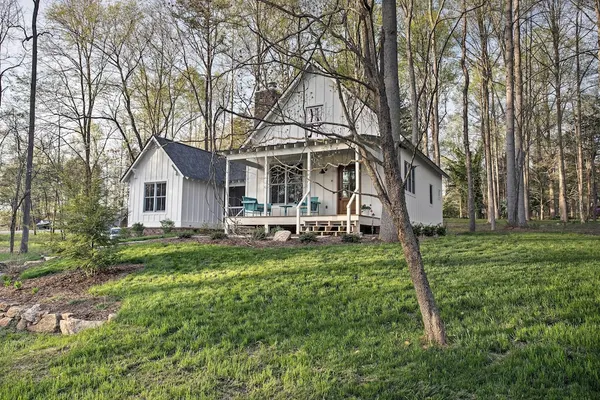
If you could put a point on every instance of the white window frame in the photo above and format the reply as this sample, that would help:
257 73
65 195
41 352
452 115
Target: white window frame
154 197
313 114
410 182
286 183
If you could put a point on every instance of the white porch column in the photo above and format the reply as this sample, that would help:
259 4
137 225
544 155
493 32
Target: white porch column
308 181
266 190
226 214
357 189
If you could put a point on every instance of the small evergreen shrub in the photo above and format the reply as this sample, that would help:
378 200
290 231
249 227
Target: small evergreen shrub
218 235
350 238
417 229
441 230
167 225
124 233
137 229
185 234
307 237
429 230
259 234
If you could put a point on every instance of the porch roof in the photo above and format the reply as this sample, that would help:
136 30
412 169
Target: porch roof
243 154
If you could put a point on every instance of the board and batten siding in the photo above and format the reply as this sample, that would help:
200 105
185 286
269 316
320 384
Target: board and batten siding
202 204
154 166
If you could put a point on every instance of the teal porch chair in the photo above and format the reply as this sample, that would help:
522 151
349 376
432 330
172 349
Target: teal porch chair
252 206
314 206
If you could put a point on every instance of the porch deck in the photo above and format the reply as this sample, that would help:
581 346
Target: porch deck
319 224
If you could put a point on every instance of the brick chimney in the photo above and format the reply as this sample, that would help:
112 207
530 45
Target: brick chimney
264 100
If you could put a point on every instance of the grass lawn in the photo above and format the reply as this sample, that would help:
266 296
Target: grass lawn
38 245
207 321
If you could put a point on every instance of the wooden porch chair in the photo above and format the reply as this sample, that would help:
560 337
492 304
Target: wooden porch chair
314 206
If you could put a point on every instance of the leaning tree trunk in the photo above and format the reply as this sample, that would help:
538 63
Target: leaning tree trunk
519 147
31 132
580 169
396 201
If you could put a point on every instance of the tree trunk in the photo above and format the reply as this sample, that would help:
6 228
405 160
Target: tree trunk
31 131
465 116
519 148
580 169
511 182
396 202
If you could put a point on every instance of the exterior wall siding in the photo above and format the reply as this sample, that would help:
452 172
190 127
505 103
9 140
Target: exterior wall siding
201 204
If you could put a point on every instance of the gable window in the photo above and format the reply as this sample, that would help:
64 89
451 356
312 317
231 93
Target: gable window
285 184
409 174
314 114
155 196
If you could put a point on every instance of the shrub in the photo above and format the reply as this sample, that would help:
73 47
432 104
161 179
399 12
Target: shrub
441 230
137 229
18 285
87 219
429 230
307 237
349 238
417 229
259 234
6 280
167 225
218 235
185 234
125 233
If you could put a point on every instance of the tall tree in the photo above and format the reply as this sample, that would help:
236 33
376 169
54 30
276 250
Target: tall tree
465 117
509 57
31 130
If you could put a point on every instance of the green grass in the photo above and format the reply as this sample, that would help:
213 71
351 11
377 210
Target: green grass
38 244
334 322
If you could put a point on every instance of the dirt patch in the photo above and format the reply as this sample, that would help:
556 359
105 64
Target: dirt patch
69 292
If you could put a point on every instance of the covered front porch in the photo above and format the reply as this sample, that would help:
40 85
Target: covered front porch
307 186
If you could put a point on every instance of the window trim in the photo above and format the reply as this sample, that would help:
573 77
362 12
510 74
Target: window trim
307 112
154 197
286 180
410 185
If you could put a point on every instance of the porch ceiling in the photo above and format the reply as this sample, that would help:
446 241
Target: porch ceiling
241 155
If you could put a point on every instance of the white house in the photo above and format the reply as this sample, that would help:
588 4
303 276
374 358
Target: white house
288 166
171 180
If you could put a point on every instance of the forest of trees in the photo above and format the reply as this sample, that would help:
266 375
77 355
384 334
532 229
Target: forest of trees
502 94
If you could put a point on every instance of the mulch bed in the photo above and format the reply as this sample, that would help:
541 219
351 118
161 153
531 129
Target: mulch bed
68 292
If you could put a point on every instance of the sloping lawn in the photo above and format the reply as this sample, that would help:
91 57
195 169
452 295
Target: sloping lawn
205 321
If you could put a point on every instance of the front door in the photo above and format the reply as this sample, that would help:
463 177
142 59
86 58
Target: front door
346 186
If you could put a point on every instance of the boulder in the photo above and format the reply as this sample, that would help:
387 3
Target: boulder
32 314
72 326
48 324
4 322
22 325
14 311
112 316
282 236
28 264
4 306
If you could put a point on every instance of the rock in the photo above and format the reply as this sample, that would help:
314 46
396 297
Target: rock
32 314
112 316
22 325
282 236
48 258
4 322
72 326
48 324
28 264
14 311
4 306
66 315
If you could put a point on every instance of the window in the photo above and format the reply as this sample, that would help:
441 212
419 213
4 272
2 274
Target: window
409 173
314 114
286 184
430 194
155 196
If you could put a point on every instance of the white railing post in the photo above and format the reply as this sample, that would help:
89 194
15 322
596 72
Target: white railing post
298 206
308 184
266 190
349 213
357 190
226 196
